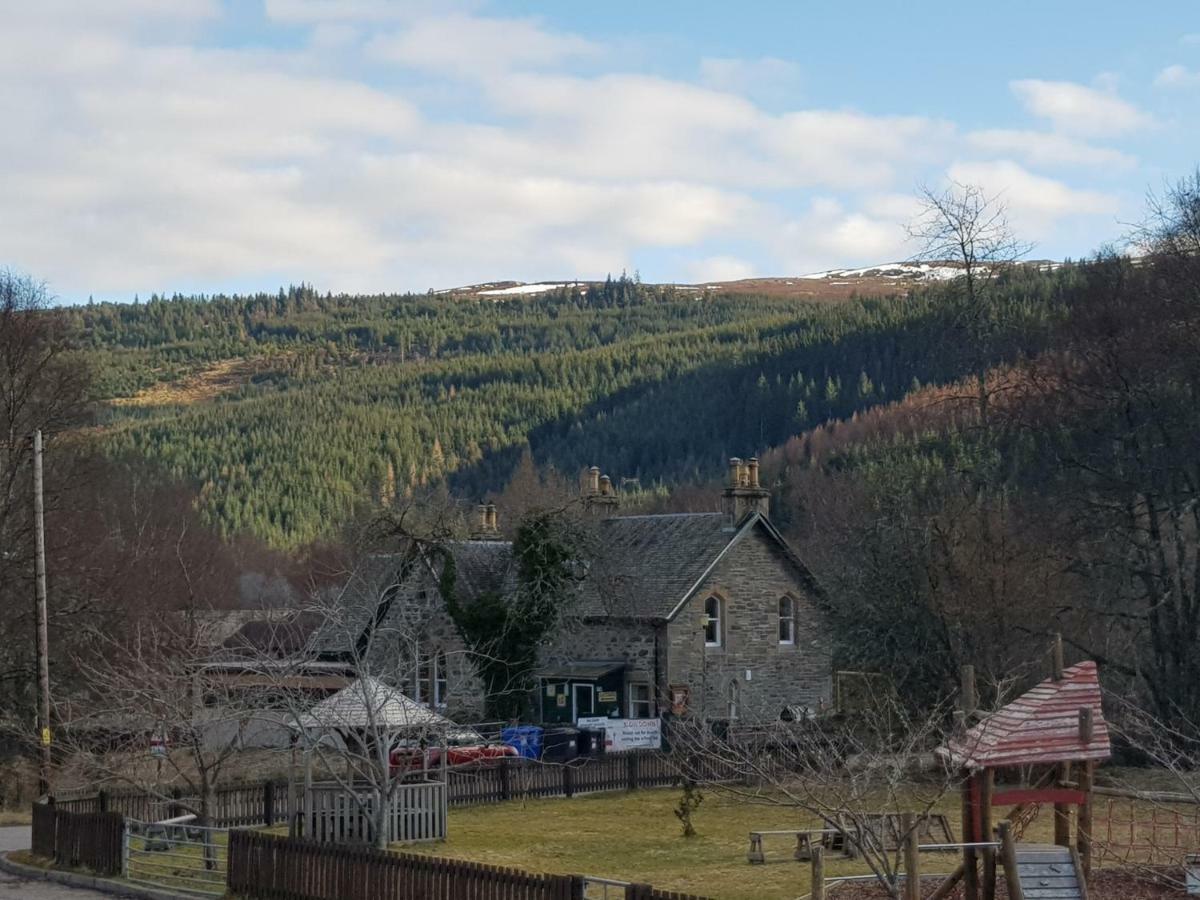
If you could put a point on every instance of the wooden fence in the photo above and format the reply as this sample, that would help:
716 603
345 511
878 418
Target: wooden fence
92 841
264 867
522 778
268 803
337 815
235 805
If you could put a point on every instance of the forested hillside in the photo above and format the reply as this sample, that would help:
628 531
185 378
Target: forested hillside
289 412
1058 492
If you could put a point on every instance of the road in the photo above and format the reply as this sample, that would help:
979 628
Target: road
15 888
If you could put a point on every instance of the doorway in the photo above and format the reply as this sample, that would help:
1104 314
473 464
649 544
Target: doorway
583 700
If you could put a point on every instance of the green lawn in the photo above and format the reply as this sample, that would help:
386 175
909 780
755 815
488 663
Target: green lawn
635 837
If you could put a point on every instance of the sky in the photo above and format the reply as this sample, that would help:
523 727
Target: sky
201 146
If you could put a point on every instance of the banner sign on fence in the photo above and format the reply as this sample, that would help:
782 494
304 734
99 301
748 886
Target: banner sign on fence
627 734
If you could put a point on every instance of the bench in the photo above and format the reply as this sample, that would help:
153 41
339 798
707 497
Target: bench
805 838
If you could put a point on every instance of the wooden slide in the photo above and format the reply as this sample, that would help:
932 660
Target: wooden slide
1048 872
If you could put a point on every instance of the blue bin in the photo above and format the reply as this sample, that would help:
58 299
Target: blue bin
527 739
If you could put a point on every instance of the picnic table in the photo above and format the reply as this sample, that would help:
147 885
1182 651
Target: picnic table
805 839
883 827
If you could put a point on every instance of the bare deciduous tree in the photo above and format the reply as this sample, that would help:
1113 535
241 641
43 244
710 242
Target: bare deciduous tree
850 778
967 227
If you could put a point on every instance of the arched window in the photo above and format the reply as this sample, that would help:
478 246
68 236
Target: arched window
712 622
733 699
787 620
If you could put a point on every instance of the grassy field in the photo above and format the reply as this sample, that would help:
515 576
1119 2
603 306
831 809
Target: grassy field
636 837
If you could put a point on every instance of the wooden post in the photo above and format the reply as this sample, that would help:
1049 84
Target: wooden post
631 771
568 781
968 698
987 783
1008 855
307 828
1057 661
818 873
101 800
43 632
505 779
1062 811
269 803
1083 827
912 861
1086 725
970 873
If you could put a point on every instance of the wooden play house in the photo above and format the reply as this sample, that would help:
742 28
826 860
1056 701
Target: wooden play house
1042 748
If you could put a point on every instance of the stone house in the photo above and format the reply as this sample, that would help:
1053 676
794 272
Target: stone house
711 614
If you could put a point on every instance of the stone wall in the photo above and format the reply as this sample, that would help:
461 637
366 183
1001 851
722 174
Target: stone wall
585 640
750 579
417 627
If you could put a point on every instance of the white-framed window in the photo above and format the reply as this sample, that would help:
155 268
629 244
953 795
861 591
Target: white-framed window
640 701
733 700
712 621
787 620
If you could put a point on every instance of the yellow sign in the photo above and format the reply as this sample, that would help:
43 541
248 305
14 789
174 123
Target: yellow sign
45 737
607 697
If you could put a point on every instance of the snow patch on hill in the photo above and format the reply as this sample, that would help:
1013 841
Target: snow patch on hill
526 289
903 270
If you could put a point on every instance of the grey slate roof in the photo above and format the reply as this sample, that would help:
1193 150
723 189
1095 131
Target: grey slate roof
646 564
644 567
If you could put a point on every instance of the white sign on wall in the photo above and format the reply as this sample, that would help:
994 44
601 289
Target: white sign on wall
627 734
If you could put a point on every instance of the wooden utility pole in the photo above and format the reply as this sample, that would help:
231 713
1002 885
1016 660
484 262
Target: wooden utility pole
43 628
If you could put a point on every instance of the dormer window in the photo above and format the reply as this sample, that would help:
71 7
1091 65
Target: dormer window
712 622
787 621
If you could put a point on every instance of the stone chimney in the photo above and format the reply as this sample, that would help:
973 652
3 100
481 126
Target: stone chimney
485 528
599 496
743 494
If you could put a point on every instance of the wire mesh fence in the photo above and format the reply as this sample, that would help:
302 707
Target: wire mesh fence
178 856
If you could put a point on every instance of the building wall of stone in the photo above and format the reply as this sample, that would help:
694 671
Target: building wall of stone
750 579
629 641
417 627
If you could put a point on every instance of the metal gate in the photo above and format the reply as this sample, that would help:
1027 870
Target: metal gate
177 855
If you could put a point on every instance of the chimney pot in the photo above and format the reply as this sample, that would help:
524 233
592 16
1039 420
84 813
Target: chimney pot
594 480
605 485
744 495
483 515
491 517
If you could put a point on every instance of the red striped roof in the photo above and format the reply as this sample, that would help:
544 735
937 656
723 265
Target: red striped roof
1040 726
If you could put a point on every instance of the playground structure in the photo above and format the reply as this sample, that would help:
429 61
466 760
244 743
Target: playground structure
1042 748
1051 738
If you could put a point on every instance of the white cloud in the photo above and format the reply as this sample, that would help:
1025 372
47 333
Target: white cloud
308 12
473 45
147 160
767 78
1077 109
719 268
1034 202
1046 149
1177 76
